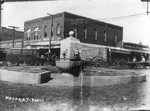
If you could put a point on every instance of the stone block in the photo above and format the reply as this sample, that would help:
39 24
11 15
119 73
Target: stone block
24 77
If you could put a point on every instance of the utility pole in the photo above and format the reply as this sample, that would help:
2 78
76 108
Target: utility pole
51 26
147 5
13 27
1 2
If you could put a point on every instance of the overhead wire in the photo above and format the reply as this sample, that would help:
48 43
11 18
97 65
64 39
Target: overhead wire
124 17
127 16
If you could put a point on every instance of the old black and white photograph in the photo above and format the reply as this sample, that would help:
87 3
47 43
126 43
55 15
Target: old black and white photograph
74 55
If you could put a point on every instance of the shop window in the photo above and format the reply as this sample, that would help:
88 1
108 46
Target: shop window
36 32
28 39
105 36
95 34
58 29
37 37
116 37
85 32
75 32
106 27
51 34
45 31
28 34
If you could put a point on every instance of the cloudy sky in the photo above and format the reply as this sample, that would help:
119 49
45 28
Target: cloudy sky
130 14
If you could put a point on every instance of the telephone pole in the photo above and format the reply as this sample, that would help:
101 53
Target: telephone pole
13 27
51 31
147 5
1 2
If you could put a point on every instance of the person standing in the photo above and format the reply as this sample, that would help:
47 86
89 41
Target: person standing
142 59
54 58
42 59
108 62
77 55
134 59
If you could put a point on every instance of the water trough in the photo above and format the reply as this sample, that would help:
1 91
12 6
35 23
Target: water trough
24 77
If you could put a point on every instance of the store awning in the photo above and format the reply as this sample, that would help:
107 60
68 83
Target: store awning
134 46
120 50
45 43
140 51
128 51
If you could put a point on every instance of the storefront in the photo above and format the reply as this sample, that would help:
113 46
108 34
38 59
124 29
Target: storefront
43 47
137 51
118 56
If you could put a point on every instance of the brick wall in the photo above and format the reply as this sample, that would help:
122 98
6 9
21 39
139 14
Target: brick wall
91 26
68 22
32 24
89 52
46 21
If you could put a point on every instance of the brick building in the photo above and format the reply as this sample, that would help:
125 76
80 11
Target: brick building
108 38
87 30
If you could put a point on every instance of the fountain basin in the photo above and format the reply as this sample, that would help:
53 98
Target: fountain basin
67 66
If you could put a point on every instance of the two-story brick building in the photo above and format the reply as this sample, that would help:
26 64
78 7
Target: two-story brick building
86 30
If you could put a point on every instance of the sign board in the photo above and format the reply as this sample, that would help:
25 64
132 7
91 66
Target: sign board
8 51
16 51
26 52
34 52
22 51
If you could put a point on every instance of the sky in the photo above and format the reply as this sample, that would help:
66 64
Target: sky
130 14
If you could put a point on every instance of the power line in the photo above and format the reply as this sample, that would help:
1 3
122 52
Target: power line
124 17
26 0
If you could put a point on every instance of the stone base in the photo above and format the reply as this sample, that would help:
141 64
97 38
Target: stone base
24 77
97 81
112 80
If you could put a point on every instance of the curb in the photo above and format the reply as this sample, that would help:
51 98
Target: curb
97 81
24 77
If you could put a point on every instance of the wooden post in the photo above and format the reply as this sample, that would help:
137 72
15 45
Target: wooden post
1 2
51 31
13 34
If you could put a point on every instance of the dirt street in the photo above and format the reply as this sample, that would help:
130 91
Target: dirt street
48 97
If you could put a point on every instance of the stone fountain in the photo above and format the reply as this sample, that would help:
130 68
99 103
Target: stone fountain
70 55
